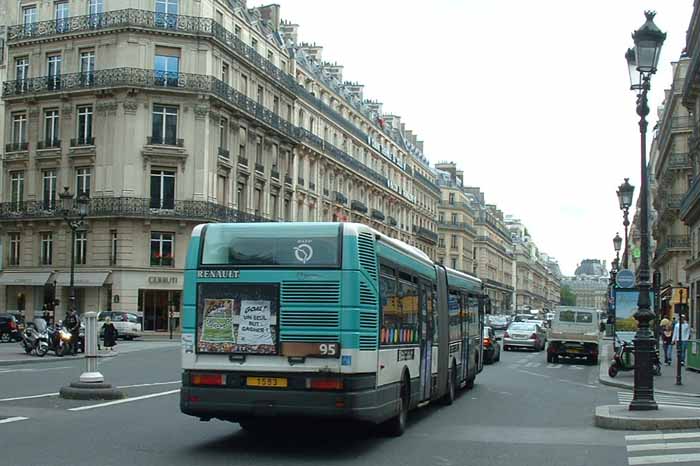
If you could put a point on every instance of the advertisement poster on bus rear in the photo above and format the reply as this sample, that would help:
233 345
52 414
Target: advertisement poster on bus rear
237 319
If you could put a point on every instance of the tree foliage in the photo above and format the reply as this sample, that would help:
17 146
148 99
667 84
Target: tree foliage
567 297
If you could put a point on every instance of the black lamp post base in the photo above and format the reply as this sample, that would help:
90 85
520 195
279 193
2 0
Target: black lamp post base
643 405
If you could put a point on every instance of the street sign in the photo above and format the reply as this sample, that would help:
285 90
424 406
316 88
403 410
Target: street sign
625 278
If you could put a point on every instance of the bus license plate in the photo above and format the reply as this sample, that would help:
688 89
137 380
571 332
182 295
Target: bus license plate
276 382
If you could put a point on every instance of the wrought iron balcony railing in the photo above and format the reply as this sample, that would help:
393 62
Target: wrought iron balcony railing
300 181
82 141
426 182
130 207
427 235
164 141
377 215
16 147
152 79
458 226
679 161
358 206
274 173
259 167
391 221
288 179
340 198
243 161
224 153
49 144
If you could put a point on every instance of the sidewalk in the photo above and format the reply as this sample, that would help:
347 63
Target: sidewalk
13 354
619 417
665 383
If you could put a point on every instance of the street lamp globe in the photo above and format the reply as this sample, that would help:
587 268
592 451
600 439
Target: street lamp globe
617 242
66 200
83 200
635 76
647 44
625 192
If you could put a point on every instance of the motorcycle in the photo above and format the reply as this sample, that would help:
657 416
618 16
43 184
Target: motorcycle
36 338
623 359
59 340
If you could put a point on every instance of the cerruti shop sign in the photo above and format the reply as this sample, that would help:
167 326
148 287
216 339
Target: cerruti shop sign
161 280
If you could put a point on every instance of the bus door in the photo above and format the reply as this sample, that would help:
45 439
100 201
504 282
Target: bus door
464 322
426 338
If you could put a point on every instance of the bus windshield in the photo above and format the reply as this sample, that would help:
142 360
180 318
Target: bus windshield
260 245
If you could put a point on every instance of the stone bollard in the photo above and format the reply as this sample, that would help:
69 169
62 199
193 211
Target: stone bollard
91 385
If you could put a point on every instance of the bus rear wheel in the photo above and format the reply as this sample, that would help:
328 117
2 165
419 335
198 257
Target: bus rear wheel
451 394
396 426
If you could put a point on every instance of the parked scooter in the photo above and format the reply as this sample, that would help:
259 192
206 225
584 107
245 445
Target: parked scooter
623 360
36 338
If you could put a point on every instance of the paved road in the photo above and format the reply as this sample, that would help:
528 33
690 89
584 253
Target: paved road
521 411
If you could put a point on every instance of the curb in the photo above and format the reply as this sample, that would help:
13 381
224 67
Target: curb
605 420
38 360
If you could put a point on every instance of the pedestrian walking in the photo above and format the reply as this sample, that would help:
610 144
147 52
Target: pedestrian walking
109 334
667 341
681 329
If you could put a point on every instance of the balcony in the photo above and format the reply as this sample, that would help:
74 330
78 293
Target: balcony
340 198
426 182
672 243
358 206
161 141
242 160
458 226
300 181
259 167
17 147
288 179
275 173
49 144
457 205
492 242
224 153
82 141
312 186
377 215
130 207
427 235
391 221
130 78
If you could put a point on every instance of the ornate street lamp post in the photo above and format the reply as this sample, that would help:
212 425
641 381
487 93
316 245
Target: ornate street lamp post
74 212
642 62
617 244
625 192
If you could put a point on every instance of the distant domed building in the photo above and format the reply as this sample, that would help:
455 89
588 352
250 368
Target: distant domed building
591 268
590 284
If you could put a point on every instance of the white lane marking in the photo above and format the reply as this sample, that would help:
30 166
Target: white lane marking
8 371
553 366
576 368
663 446
125 400
44 395
534 373
29 397
13 419
150 384
663 436
578 383
657 459
532 364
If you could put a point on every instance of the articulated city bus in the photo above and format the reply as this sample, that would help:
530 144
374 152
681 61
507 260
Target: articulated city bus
327 320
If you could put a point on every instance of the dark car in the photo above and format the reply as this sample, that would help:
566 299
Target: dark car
492 347
9 328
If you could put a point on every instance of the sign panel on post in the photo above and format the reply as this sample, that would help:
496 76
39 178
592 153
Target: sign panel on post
625 278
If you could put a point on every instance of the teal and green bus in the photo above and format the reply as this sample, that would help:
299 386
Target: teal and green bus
326 320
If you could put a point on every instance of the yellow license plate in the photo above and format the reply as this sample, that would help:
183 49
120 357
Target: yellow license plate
574 350
275 382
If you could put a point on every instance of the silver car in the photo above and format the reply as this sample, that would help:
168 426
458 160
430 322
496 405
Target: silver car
524 335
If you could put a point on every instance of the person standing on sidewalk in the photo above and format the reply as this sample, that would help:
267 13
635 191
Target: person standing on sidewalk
667 341
110 334
683 329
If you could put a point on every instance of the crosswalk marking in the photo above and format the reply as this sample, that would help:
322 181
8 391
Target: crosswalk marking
547 365
680 441
669 400
13 419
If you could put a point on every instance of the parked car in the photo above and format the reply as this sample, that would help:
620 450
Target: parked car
498 322
9 328
126 323
524 335
523 317
492 347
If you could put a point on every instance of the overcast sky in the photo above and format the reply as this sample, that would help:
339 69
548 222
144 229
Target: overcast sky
530 98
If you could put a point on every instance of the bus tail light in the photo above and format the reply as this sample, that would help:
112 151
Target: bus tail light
208 379
325 384
487 342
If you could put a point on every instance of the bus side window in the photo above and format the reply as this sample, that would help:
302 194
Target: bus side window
391 317
432 307
473 308
408 329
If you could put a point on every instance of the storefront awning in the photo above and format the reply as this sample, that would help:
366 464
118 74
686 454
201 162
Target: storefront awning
24 278
82 279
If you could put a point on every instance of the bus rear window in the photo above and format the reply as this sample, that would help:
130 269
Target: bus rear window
248 248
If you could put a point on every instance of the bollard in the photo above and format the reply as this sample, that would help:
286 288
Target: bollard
91 374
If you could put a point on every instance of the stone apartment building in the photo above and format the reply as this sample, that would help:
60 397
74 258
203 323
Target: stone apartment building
673 173
171 113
